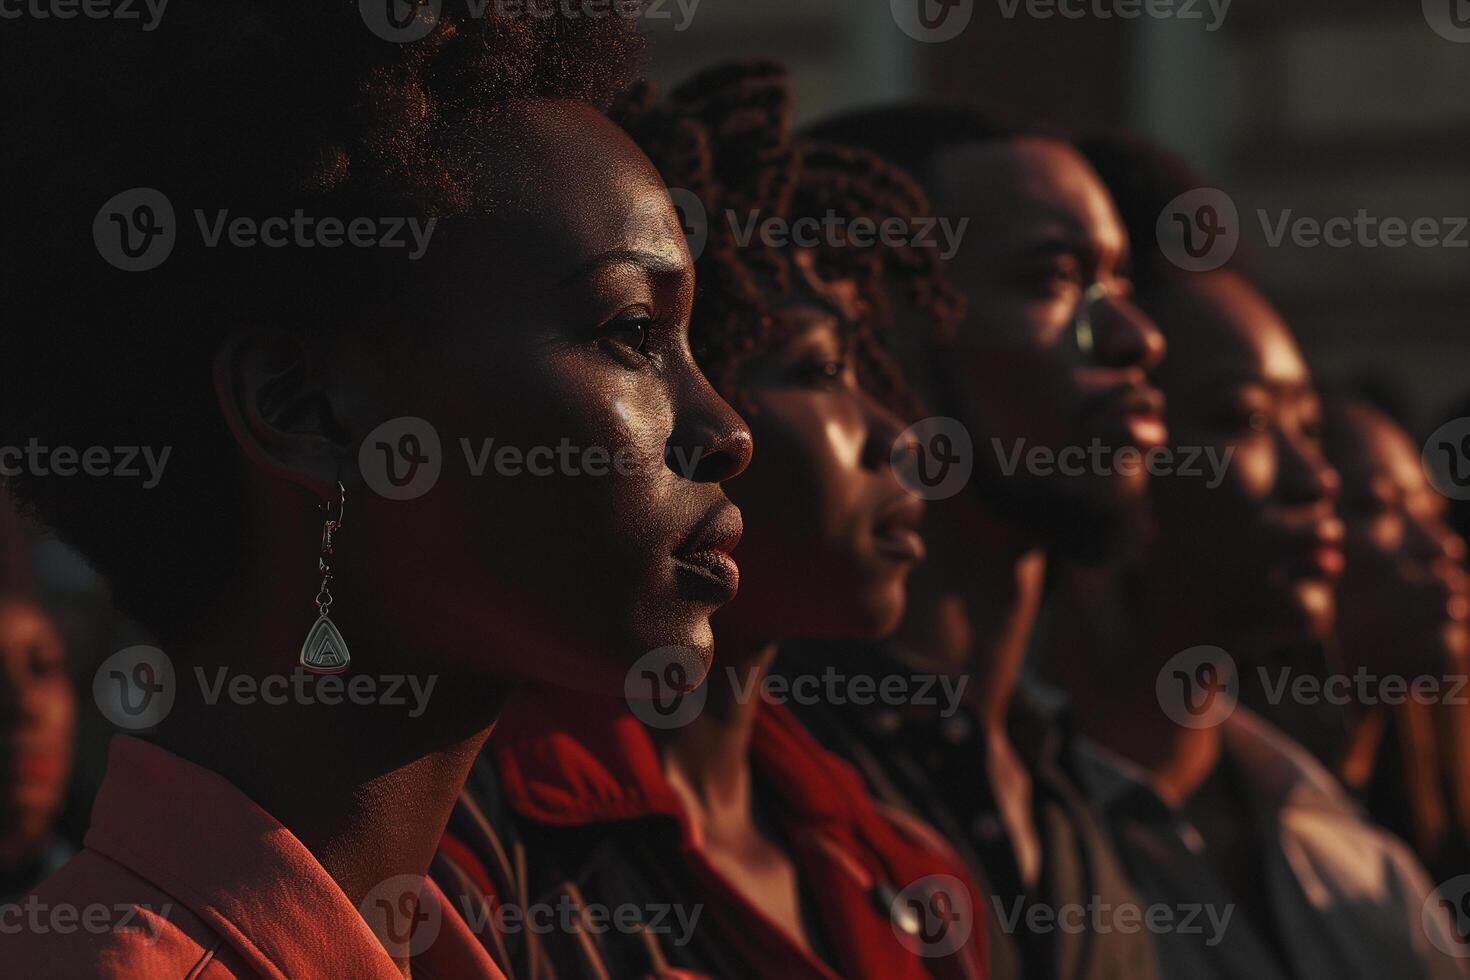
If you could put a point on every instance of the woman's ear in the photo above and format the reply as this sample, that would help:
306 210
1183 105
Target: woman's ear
283 410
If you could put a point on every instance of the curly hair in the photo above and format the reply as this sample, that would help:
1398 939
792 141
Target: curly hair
725 136
263 107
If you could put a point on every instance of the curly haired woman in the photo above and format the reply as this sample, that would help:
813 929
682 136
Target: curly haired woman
278 822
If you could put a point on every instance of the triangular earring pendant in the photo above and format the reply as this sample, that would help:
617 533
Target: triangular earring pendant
325 652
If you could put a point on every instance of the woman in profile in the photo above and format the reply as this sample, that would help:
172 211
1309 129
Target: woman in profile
1403 610
322 397
719 806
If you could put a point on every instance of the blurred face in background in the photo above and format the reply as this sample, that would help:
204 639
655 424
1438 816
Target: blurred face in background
1404 600
1255 557
37 727
1043 250
830 532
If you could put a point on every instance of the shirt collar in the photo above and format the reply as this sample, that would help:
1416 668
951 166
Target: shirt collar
1280 774
242 873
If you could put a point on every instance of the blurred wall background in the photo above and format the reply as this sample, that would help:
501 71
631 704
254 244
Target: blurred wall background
1322 109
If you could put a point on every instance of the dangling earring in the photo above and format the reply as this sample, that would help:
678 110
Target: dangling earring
325 652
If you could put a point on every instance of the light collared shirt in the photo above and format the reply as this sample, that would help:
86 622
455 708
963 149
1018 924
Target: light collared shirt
182 875
1347 898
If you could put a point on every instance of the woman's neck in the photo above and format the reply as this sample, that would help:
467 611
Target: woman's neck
368 788
971 613
708 760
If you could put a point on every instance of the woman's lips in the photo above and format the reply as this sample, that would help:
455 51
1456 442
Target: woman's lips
1328 561
1131 416
900 544
710 576
1146 430
1315 552
31 766
702 565
896 529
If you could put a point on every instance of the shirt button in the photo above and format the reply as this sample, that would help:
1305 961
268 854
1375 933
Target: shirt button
956 730
987 827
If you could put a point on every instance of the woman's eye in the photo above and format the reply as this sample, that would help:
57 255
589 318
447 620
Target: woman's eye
44 663
1054 279
826 373
1241 421
629 330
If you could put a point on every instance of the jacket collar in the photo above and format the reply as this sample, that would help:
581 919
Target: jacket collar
245 875
568 759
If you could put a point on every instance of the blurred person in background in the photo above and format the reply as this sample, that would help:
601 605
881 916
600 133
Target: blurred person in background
38 709
1052 354
1212 807
724 805
1403 608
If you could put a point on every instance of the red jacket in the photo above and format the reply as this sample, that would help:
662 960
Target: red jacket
582 774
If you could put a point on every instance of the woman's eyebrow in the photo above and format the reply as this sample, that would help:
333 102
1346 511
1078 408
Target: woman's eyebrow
653 263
